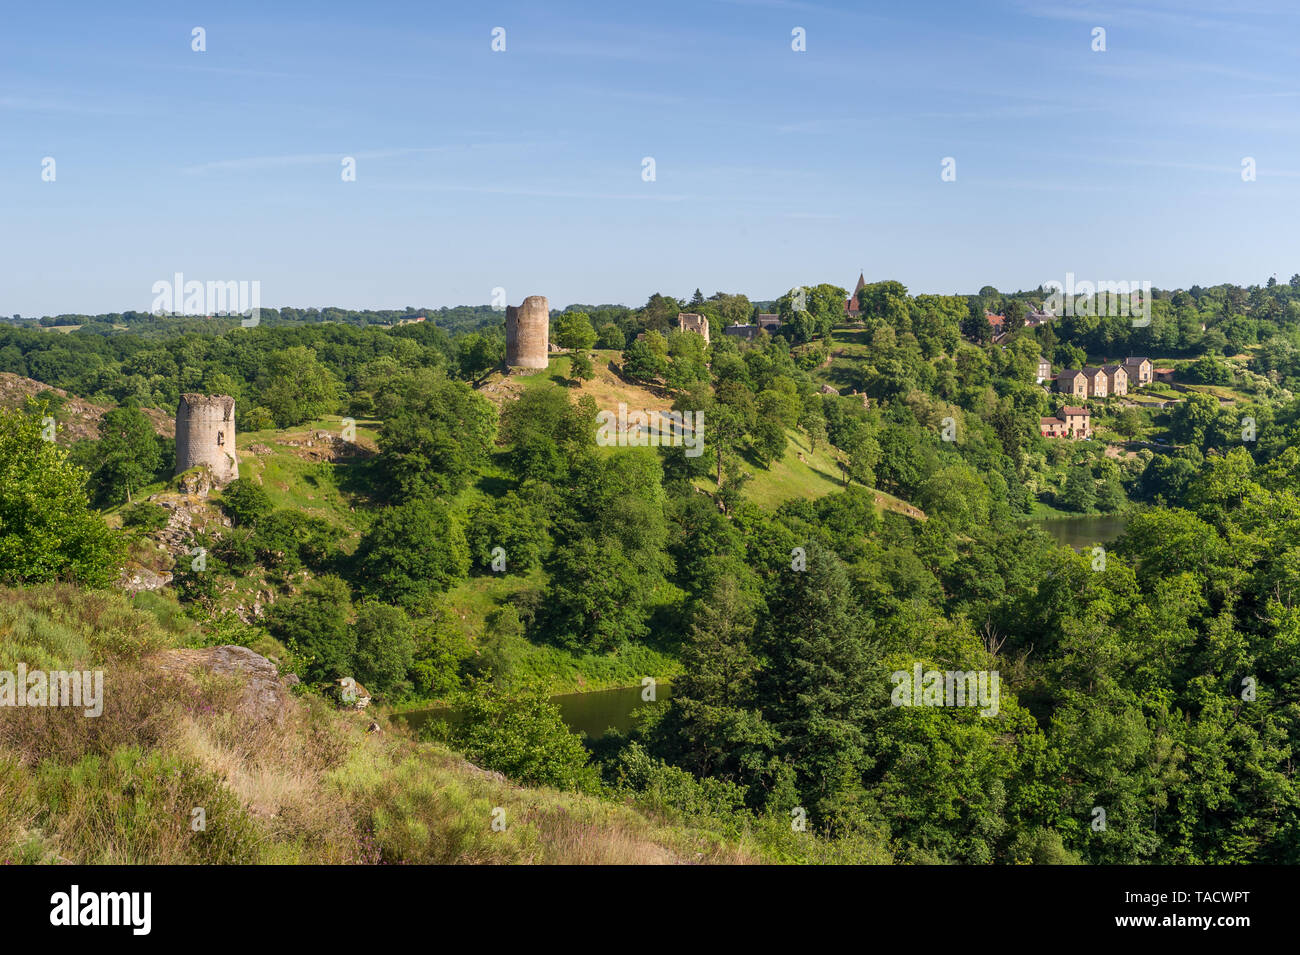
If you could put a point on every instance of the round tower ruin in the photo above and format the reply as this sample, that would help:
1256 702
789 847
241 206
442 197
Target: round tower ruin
205 434
528 328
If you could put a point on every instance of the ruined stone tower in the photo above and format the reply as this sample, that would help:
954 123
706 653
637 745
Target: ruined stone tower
691 322
528 328
205 434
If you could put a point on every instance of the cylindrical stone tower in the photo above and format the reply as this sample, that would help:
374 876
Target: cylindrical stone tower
205 434
528 329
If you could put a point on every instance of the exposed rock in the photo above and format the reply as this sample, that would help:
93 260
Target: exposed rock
144 579
464 765
351 694
265 696
196 481
829 390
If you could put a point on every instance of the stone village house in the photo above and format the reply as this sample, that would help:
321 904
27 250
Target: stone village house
1073 422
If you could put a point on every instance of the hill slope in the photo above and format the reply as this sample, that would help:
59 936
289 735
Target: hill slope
294 781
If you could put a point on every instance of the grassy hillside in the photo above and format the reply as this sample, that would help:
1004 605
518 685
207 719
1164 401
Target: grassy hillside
304 783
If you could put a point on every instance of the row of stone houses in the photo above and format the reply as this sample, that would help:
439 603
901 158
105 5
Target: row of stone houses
1102 381
1105 381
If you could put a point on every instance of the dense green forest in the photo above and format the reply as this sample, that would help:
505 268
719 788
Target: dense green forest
1149 704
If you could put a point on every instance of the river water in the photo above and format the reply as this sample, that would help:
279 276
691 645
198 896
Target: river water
593 713
1079 532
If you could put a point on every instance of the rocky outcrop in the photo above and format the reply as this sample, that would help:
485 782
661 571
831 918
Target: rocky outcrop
77 417
144 579
266 697
325 446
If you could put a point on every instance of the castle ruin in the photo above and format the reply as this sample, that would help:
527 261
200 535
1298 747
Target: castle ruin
205 435
691 322
528 329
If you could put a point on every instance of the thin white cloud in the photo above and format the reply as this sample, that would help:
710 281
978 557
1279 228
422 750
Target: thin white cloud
310 159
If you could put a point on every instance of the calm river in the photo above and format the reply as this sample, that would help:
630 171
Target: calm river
1080 532
592 713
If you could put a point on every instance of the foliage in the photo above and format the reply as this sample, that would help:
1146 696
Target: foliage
522 735
47 529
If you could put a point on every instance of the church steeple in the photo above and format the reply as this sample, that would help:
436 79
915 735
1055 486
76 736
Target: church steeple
851 306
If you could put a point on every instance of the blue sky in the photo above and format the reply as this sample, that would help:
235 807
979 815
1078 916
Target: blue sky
523 169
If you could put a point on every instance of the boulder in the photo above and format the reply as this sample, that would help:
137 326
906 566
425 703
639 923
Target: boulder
351 694
265 698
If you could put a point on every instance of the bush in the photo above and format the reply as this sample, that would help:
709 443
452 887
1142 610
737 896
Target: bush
286 540
441 651
236 550
385 647
611 336
522 735
515 524
413 552
314 625
145 516
245 502
663 787
257 419
47 529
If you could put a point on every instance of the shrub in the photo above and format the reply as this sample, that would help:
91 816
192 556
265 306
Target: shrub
412 552
522 735
385 646
257 419
314 625
236 550
441 651
145 516
47 529
245 502
286 540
